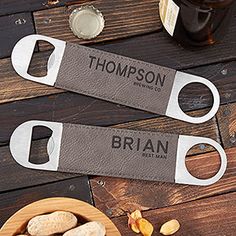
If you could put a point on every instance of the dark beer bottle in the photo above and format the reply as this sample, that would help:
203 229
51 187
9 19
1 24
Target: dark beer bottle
196 22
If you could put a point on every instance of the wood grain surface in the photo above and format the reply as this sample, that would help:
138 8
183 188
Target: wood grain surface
160 48
66 108
227 124
15 6
128 19
12 201
13 176
210 216
71 110
132 29
223 75
117 196
14 27
16 224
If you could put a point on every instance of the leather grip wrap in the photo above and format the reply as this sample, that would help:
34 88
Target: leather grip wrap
115 78
118 153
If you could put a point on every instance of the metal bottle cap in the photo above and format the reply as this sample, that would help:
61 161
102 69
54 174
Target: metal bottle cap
86 22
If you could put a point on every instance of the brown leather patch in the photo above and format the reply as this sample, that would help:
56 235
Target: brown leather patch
118 153
115 78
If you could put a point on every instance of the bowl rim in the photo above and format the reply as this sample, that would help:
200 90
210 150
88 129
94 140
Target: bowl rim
18 220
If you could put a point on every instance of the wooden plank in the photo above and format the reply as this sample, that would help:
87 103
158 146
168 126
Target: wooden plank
66 107
70 109
14 6
12 201
117 196
227 124
212 216
122 19
13 28
223 75
157 47
13 176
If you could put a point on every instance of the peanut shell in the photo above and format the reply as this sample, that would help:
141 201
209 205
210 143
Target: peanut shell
89 229
54 223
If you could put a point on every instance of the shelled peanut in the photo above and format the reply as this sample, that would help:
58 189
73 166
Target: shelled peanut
140 225
170 227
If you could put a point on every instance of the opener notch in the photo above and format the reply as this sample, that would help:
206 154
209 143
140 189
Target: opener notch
22 54
20 144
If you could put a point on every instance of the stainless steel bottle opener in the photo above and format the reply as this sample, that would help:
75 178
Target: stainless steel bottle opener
112 77
114 152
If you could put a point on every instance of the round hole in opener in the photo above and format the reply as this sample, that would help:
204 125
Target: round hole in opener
195 96
203 161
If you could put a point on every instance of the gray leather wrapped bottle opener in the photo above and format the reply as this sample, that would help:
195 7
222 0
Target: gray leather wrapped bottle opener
114 152
112 77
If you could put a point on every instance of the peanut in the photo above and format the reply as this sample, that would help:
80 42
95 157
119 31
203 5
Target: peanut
136 214
170 227
56 222
135 228
145 227
89 229
132 220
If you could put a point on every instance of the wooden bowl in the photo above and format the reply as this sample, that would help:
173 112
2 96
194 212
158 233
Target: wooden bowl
17 223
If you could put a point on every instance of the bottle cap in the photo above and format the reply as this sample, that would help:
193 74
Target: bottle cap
86 22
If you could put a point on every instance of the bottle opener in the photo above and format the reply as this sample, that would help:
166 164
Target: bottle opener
112 77
114 152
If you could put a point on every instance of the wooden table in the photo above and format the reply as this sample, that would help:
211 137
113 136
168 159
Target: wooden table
132 29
